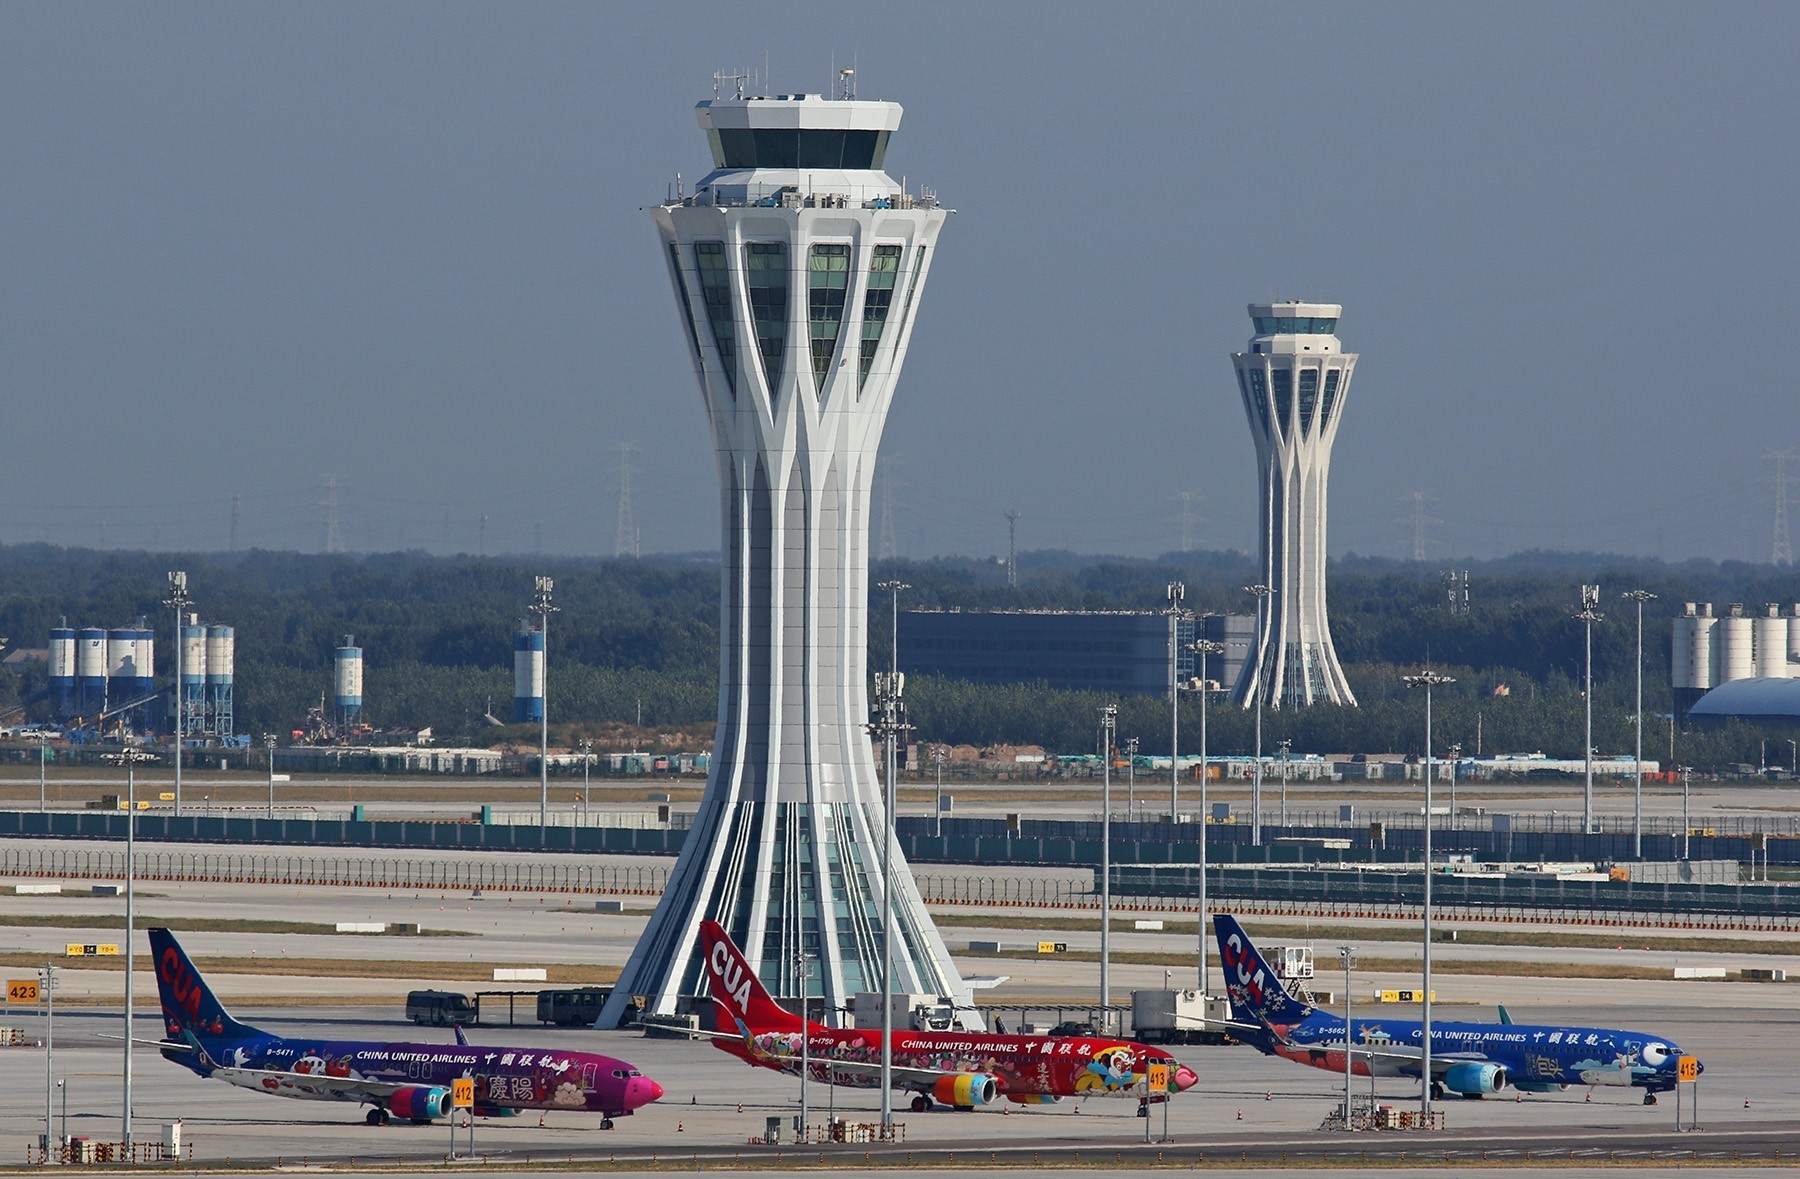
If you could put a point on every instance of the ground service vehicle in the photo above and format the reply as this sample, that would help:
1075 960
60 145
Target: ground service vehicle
441 1008
573 1006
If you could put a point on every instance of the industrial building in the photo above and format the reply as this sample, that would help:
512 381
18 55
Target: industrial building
797 266
528 675
1294 379
1122 652
101 679
1708 650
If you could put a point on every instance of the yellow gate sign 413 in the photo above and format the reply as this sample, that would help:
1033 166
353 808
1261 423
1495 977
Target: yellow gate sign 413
1159 1077
21 990
462 1093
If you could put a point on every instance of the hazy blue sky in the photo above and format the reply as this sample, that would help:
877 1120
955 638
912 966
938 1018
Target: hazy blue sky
248 245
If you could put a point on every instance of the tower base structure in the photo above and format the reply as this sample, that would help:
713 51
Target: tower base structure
796 265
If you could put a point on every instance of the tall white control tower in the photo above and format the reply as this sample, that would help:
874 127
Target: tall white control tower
1294 378
797 265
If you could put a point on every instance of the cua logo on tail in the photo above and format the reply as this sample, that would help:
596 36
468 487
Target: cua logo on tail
731 976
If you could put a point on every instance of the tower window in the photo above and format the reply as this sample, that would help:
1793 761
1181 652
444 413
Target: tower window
884 270
766 278
687 309
1259 397
912 288
790 147
1309 396
827 281
1331 391
1282 380
715 291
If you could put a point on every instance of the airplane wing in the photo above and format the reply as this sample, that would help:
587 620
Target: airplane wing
903 1074
318 1085
1441 1062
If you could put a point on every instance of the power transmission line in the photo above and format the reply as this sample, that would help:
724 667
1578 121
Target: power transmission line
625 535
1781 549
1012 548
334 530
887 549
1189 518
1417 522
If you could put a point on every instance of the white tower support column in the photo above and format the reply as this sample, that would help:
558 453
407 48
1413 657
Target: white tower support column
1294 380
797 265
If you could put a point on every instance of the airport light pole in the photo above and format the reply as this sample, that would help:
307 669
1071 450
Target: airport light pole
540 605
938 754
1348 954
800 969
890 726
1262 593
1427 680
1177 592
1109 719
43 743
1589 615
1203 648
49 986
131 758
1285 747
1686 773
1131 748
269 745
179 602
587 757
1455 756
1637 793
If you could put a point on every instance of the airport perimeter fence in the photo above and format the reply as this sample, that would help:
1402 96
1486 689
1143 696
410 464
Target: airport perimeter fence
1328 892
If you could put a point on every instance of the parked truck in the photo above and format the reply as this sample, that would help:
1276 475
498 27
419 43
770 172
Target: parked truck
1180 1017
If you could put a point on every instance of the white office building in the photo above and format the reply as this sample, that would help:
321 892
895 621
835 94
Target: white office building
797 266
1294 378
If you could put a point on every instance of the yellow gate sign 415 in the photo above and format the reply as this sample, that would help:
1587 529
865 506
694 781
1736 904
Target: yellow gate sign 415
462 1093
1687 1068
21 990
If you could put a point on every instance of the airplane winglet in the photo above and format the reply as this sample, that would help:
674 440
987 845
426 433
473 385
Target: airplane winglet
460 1038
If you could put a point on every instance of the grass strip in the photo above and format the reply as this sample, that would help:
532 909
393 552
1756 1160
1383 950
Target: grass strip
114 921
377 968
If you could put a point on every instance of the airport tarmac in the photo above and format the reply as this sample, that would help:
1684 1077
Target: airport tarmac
1248 1108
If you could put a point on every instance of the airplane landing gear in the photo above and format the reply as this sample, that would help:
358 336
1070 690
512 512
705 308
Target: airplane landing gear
377 1117
606 1123
1437 1090
1649 1099
920 1103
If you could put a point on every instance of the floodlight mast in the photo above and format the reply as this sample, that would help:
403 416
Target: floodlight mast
1588 616
1427 680
1637 768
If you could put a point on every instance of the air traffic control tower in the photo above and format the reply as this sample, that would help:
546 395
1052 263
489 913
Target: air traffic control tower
1294 378
797 266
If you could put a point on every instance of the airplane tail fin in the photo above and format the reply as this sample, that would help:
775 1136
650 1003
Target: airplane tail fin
190 1010
1251 982
739 1000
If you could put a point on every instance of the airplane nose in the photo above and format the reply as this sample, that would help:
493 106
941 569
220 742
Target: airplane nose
1185 1078
641 1091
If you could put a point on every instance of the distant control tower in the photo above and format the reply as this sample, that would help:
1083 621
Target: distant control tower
1294 378
797 264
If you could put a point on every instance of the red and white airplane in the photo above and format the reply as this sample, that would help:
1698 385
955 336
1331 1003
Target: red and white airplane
958 1069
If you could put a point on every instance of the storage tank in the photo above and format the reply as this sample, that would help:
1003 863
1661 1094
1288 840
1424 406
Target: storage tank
129 654
528 676
90 671
1706 654
221 657
1737 634
347 680
1771 642
1681 649
193 675
62 672
1794 641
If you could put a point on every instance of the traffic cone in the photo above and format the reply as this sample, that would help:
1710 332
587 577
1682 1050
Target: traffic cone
680 1128
1240 1116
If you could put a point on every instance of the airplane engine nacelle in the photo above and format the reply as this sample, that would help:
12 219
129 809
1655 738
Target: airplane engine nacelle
420 1104
966 1090
1475 1078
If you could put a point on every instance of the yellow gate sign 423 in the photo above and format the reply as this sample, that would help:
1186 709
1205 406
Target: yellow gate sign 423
462 1093
21 990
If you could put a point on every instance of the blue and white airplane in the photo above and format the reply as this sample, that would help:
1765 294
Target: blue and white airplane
1468 1059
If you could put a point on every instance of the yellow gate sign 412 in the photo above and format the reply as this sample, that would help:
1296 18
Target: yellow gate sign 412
462 1093
21 990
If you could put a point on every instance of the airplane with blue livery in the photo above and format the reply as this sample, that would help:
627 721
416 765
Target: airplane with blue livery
413 1082
1471 1060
